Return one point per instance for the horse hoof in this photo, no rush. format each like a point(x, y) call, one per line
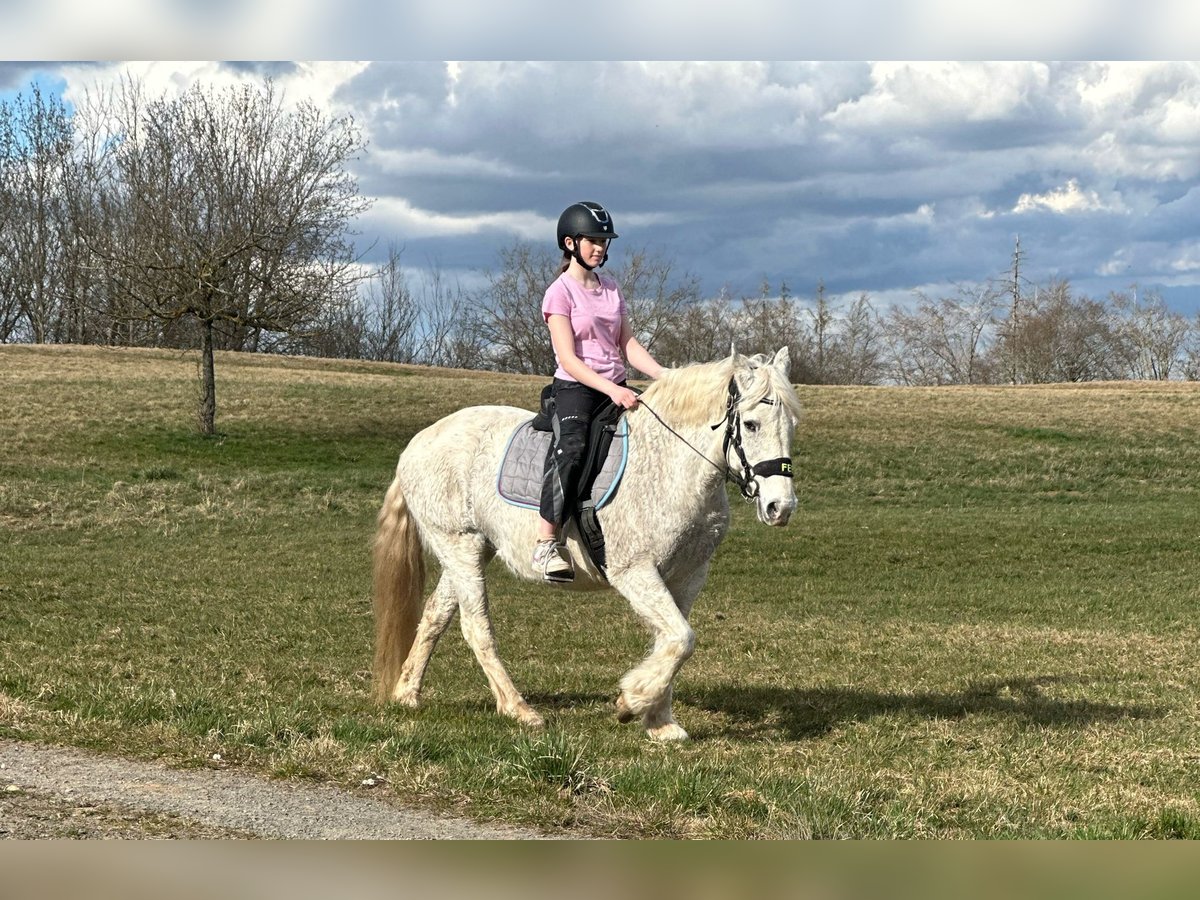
point(411, 699)
point(624, 713)
point(532, 721)
point(525, 715)
point(669, 732)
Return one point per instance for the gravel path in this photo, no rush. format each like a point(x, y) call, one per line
point(53, 792)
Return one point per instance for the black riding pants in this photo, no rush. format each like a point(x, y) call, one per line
point(575, 405)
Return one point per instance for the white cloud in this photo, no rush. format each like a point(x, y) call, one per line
point(429, 161)
point(911, 95)
point(1187, 259)
point(628, 107)
point(1140, 119)
point(1116, 92)
point(1070, 198)
point(1117, 265)
point(1166, 262)
point(922, 216)
point(399, 218)
point(316, 82)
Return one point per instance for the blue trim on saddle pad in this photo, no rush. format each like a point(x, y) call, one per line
point(519, 477)
point(621, 436)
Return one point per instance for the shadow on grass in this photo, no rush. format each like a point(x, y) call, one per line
point(811, 712)
point(569, 700)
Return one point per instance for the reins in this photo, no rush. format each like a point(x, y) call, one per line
point(745, 480)
point(727, 472)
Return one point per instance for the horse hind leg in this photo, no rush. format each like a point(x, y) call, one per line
point(439, 610)
point(463, 558)
point(476, 623)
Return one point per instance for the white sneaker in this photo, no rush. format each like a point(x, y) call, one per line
point(552, 562)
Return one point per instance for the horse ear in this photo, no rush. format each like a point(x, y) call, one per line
point(783, 361)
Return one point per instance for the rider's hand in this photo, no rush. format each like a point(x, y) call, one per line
point(624, 397)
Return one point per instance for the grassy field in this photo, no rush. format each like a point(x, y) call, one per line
point(981, 622)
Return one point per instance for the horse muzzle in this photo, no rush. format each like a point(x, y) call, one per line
point(775, 512)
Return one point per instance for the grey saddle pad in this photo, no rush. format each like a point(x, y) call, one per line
point(520, 478)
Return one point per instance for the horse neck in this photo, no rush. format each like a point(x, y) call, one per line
point(677, 452)
point(678, 419)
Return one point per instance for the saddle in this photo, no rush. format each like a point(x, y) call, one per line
point(522, 468)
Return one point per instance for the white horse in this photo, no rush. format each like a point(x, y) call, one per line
point(696, 426)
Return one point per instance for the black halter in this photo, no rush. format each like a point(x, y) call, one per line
point(746, 479)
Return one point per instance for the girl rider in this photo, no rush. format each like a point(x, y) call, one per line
point(590, 331)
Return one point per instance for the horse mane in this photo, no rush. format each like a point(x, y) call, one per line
point(695, 394)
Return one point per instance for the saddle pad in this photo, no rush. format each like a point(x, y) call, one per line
point(520, 478)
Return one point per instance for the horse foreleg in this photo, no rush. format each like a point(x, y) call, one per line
point(659, 719)
point(439, 610)
point(646, 688)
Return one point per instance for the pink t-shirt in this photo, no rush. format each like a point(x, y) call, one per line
point(596, 317)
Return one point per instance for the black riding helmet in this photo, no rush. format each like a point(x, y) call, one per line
point(584, 219)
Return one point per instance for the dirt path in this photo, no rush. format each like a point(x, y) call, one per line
point(53, 792)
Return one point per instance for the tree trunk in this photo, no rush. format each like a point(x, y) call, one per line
point(208, 382)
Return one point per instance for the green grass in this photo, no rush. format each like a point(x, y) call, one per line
point(979, 624)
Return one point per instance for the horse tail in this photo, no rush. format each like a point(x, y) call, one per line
point(399, 566)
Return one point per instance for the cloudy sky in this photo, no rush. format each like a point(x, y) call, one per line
point(883, 177)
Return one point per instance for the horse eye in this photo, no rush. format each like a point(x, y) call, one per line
point(751, 426)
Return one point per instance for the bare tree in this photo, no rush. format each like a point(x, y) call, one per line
point(821, 321)
point(450, 323)
point(1191, 352)
point(942, 341)
point(35, 147)
point(228, 209)
point(10, 303)
point(1061, 338)
point(1009, 345)
point(856, 353)
point(763, 324)
point(654, 297)
point(1152, 336)
point(390, 313)
point(10, 312)
point(341, 332)
point(510, 311)
point(702, 331)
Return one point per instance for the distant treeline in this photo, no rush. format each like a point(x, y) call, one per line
point(978, 334)
point(221, 220)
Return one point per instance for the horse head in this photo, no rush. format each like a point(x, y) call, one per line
point(761, 416)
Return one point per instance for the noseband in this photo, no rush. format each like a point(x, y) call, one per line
point(746, 480)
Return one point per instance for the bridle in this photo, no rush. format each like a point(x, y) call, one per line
point(746, 479)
